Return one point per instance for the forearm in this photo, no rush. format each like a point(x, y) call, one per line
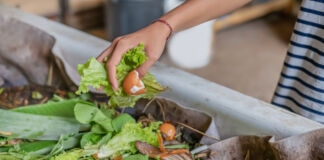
point(189, 14)
point(194, 12)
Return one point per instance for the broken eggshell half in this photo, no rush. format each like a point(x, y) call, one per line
point(133, 85)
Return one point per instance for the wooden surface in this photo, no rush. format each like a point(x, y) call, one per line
point(253, 12)
point(81, 14)
point(39, 7)
point(50, 7)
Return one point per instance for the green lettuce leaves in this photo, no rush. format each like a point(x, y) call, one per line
point(116, 135)
point(71, 130)
point(85, 114)
point(122, 119)
point(70, 155)
point(94, 74)
point(137, 157)
point(124, 141)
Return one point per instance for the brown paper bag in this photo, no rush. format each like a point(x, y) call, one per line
point(25, 55)
point(307, 146)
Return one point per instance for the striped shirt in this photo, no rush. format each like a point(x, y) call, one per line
point(301, 85)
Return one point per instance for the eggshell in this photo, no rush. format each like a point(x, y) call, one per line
point(168, 130)
point(133, 85)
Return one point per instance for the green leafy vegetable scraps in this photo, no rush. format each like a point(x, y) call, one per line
point(71, 130)
point(94, 74)
point(36, 95)
point(124, 141)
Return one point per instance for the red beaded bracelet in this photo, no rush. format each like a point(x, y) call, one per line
point(170, 27)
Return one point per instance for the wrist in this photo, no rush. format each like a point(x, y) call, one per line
point(163, 27)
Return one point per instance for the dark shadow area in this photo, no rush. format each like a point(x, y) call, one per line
point(281, 25)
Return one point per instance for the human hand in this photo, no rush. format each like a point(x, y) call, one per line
point(154, 38)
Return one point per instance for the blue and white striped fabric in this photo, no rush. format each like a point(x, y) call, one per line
point(301, 85)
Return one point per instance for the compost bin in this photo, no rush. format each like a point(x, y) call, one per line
point(231, 113)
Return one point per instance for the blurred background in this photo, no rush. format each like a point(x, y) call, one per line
point(243, 50)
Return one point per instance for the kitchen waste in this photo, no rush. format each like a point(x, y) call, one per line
point(77, 128)
point(66, 137)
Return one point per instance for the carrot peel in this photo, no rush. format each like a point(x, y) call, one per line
point(118, 157)
point(162, 149)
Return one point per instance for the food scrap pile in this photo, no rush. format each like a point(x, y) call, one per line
point(76, 128)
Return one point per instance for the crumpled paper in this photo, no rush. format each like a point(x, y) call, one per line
point(240, 147)
point(307, 146)
point(26, 56)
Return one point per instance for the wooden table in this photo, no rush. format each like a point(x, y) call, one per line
point(253, 12)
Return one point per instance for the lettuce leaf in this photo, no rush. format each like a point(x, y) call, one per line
point(94, 74)
point(137, 157)
point(86, 114)
point(70, 155)
point(119, 121)
point(37, 95)
point(90, 138)
point(19, 156)
point(39, 127)
point(65, 142)
point(124, 141)
point(64, 108)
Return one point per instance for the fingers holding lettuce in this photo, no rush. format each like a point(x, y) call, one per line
point(154, 37)
point(122, 69)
